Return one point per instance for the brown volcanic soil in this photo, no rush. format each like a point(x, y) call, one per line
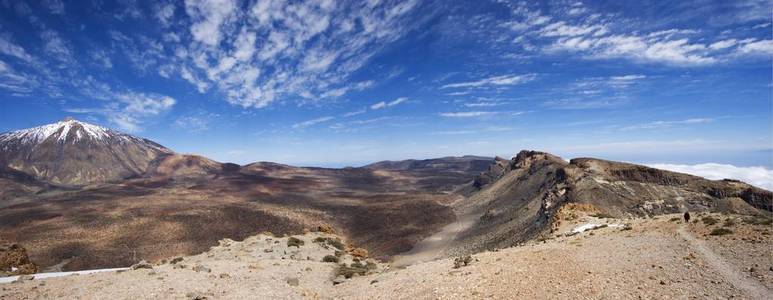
point(191, 202)
point(657, 259)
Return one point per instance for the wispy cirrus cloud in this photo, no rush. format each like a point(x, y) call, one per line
point(478, 114)
point(294, 50)
point(502, 80)
point(385, 104)
point(668, 124)
point(598, 36)
point(311, 122)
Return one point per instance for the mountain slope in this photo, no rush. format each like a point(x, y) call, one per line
point(72, 152)
point(520, 199)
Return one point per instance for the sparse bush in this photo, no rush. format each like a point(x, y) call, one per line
point(330, 258)
point(709, 220)
point(758, 220)
point(603, 216)
point(335, 242)
point(675, 219)
point(627, 227)
point(729, 223)
point(462, 261)
point(370, 265)
point(349, 271)
point(294, 242)
point(721, 231)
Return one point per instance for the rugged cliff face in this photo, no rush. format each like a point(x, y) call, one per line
point(71, 152)
point(516, 200)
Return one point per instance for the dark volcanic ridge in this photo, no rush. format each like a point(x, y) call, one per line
point(79, 196)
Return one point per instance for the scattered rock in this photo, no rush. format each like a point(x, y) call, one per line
point(339, 280)
point(200, 268)
point(224, 276)
point(196, 296)
point(359, 252)
point(176, 260)
point(141, 265)
point(462, 261)
point(24, 278)
point(293, 281)
point(325, 228)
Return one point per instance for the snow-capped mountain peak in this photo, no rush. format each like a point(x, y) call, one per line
point(68, 128)
point(73, 152)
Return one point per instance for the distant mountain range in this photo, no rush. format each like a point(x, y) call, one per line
point(80, 196)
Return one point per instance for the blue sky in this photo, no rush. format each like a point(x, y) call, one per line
point(336, 83)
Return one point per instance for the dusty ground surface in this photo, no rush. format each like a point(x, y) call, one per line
point(658, 258)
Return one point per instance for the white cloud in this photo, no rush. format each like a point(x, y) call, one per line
point(55, 6)
point(757, 176)
point(384, 104)
point(311, 122)
point(763, 47)
point(476, 114)
point(298, 51)
point(503, 80)
point(101, 58)
point(9, 48)
point(723, 44)
point(208, 16)
point(57, 47)
point(596, 36)
point(165, 13)
point(668, 124)
point(127, 109)
point(195, 122)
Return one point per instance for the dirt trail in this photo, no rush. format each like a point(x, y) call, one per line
point(751, 287)
point(433, 247)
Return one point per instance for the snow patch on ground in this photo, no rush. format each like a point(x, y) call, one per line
point(10, 279)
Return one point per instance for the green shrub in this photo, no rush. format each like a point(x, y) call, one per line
point(675, 219)
point(721, 231)
point(728, 223)
point(709, 220)
point(330, 258)
point(294, 242)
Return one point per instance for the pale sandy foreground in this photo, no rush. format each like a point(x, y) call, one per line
point(658, 258)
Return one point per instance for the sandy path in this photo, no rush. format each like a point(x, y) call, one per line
point(751, 287)
point(433, 247)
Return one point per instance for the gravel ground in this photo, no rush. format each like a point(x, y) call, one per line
point(657, 259)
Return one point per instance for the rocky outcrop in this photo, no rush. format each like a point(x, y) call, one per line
point(14, 260)
point(516, 200)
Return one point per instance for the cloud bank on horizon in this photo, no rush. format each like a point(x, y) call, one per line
point(343, 82)
point(757, 176)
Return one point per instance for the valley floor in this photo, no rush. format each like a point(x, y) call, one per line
point(657, 258)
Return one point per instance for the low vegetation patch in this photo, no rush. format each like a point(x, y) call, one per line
point(330, 258)
point(721, 231)
point(355, 268)
point(728, 223)
point(758, 220)
point(709, 220)
point(335, 242)
point(675, 219)
point(603, 216)
point(462, 261)
point(294, 242)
